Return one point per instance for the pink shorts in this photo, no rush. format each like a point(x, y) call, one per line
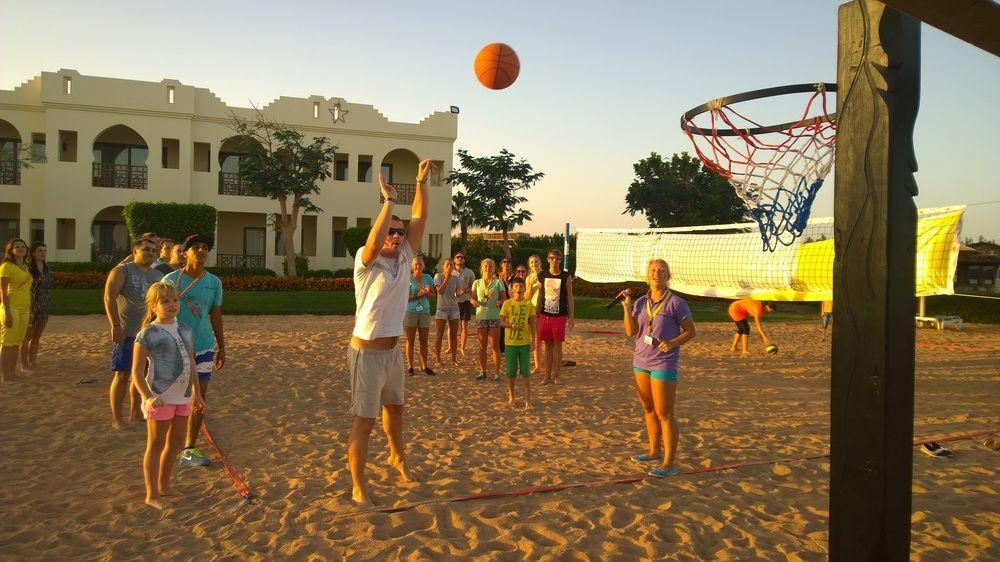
point(551, 328)
point(166, 411)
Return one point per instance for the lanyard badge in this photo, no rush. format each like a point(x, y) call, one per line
point(651, 313)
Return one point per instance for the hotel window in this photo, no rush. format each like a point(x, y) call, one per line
point(170, 94)
point(339, 226)
point(340, 167)
point(37, 231)
point(67, 146)
point(65, 234)
point(38, 147)
point(315, 110)
point(364, 168)
point(434, 243)
point(67, 85)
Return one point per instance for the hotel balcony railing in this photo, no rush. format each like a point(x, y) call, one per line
point(231, 184)
point(404, 193)
point(10, 173)
point(239, 260)
point(124, 176)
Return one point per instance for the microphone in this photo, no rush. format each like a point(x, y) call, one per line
point(617, 300)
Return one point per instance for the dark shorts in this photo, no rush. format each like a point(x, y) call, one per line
point(742, 327)
point(465, 311)
point(121, 355)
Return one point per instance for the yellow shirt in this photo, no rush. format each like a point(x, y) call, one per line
point(531, 287)
point(18, 286)
point(517, 313)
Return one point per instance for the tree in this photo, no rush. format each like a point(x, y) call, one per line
point(280, 167)
point(464, 215)
point(680, 192)
point(491, 184)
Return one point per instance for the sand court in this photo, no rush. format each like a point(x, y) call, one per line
point(72, 487)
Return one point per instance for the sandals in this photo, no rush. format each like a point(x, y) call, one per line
point(936, 450)
point(661, 472)
point(409, 371)
point(643, 457)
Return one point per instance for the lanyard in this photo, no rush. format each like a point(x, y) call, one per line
point(652, 313)
point(191, 284)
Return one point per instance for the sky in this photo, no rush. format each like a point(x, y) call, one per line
point(602, 84)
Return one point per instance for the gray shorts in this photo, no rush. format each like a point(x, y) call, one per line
point(444, 314)
point(415, 320)
point(376, 378)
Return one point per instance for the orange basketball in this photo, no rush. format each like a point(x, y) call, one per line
point(497, 66)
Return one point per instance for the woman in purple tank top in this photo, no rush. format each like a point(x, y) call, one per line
point(660, 322)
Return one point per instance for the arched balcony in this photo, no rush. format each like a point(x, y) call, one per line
point(120, 156)
point(401, 164)
point(10, 150)
point(230, 153)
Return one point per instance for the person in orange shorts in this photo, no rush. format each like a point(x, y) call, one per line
point(739, 310)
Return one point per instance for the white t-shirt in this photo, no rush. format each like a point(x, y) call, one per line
point(169, 371)
point(381, 292)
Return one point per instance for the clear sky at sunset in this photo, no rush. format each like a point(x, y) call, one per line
point(602, 84)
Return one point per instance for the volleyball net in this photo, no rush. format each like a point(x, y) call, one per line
point(727, 261)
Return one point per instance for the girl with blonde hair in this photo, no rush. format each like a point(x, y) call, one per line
point(487, 296)
point(168, 389)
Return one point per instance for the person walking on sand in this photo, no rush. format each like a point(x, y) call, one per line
point(125, 305)
point(374, 363)
point(167, 387)
point(738, 312)
point(446, 315)
point(660, 322)
point(417, 320)
point(556, 313)
point(41, 298)
point(200, 295)
point(15, 298)
point(517, 316)
point(466, 277)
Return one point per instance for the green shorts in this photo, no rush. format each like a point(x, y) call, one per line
point(669, 376)
point(516, 355)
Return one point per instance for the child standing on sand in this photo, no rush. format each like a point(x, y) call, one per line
point(517, 316)
point(168, 394)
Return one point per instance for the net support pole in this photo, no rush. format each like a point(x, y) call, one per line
point(922, 304)
point(874, 279)
point(566, 249)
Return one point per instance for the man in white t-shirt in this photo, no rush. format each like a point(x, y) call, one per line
point(374, 361)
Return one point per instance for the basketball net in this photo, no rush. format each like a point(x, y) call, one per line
point(776, 174)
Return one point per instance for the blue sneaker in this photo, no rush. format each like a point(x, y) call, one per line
point(643, 457)
point(661, 472)
point(481, 377)
point(193, 457)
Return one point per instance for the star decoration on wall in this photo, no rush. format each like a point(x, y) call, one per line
point(338, 113)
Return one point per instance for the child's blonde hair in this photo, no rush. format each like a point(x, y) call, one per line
point(157, 292)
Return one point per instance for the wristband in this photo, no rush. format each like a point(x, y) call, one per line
point(390, 199)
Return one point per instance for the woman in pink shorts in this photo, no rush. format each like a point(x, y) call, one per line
point(168, 394)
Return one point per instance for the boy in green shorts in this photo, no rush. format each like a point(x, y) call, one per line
point(517, 316)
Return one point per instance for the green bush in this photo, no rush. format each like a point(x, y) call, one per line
point(341, 273)
point(171, 220)
point(80, 266)
point(240, 271)
point(355, 237)
point(301, 264)
point(317, 273)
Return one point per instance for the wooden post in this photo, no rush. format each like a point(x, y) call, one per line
point(871, 426)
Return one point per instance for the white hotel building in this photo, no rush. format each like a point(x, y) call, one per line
point(108, 141)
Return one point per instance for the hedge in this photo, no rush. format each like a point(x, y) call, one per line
point(170, 220)
point(241, 271)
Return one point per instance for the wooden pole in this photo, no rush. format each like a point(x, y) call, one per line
point(871, 426)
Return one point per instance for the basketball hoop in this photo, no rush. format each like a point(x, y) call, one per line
point(776, 170)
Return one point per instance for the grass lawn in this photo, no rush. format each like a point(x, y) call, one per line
point(90, 301)
point(322, 303)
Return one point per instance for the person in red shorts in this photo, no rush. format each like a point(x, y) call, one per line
point(739, 311)
point(555, 313)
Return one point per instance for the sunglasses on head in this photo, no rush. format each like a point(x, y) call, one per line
point(505, 261)
point(397, 231)
point(459, 257)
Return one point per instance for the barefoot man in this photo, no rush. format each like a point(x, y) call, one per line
point(125, 305)
point(374, 362)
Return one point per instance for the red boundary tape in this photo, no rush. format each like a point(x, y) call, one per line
point(626, 480)
point(241, 486)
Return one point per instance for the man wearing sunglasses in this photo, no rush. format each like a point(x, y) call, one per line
point(374, 361)
point(466, 277)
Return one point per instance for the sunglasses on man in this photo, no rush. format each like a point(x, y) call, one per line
point(397, 231)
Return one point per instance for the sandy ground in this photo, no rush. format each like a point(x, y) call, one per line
point(71, 488)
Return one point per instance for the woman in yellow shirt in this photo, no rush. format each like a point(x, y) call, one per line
point(15, 297)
